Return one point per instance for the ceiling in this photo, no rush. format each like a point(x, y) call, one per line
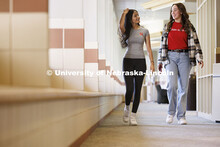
point(146, 14)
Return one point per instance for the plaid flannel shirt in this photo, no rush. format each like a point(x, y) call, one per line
point(195, 52)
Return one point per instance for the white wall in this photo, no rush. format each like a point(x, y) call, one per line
point(90, 15)
point(108, 38)
point(66, 9)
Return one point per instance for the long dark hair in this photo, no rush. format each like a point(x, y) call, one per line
point(124, 36)
point(186, 24)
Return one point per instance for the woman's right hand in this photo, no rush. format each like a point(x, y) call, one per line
point(126, 11)
point(122, 20)
point(160, 66)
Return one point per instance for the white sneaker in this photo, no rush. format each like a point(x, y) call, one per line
point(169, 119)
point(133, 121)
point(126, 116)
point(182, 121)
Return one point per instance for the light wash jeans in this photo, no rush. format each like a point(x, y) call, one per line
point(180, 66)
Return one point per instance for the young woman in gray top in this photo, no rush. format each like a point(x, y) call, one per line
point(133, 37)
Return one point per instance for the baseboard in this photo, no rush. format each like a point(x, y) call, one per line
point(205, 115)
point(83, 137)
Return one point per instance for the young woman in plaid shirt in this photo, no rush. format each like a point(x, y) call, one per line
point(179, 51)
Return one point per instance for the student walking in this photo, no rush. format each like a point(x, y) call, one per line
point(180, 50)
point(133, 37)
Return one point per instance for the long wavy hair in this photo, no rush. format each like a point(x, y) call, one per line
point(186, 24)
point(128, 25)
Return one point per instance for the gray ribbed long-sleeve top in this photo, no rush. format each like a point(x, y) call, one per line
point(136, 43)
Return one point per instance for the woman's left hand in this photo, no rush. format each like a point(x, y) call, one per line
point(152, 67)
point(201, 64)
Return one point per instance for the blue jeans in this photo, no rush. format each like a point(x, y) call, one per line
point(180, 66)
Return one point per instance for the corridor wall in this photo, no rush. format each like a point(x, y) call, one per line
point(32, 45)
point(206, 27)
point(110, 51)
point(83, 37)
point(24, 43)
point(66, 51)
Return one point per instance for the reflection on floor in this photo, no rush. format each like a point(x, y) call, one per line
point(153, 131)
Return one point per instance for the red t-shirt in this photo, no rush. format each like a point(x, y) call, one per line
point(177, 39)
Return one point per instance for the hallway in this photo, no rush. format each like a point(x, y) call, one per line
point(152, 130)
point(61, 74)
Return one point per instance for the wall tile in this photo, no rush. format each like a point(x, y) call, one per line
point(56, 58)
point(107, 84)
point(76, 23)
point(56, 38)
point(101, 86)
point(102, 81)
point(92, 84)
point(91, 55)
point(55, 23)
point(4, 6)
point(29, 68)
point(102, 64)
point(30, 5)
point(30, 31)
point(107, 68)
point(74, 82)
point(4, 29)
point(91, 45)
point(73, 59)
point(73, 9)
point(57, 81)
point(74, 38)
point(91, 68)
point(5, 78)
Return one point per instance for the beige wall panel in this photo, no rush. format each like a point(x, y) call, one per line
point(5, 31)
point(104, 109)
point(57, 81)
point(5, 70)
point(102, 100)
point(50, 123)
point(88, 103)
point(30, 31)
point(74, 82)
point(92, 84)
point(29, 68)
